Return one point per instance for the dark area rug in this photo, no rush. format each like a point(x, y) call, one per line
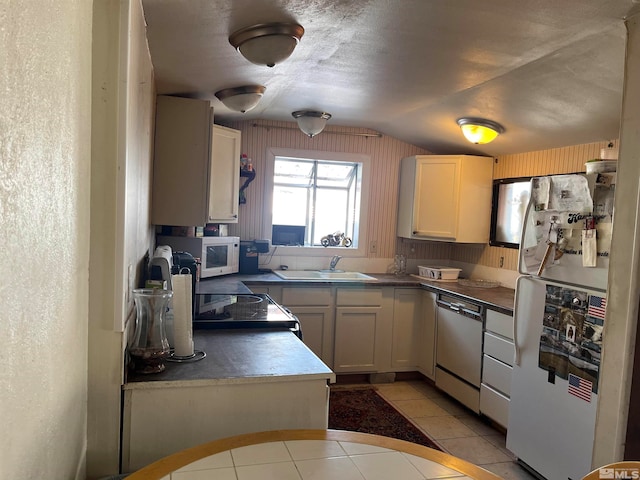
point(363, 410)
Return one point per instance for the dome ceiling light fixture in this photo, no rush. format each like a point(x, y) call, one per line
point(241, 99)
point(267, 43)
point(311, 122)
point(479, 130)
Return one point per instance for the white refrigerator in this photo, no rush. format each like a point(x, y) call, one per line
point(559, 322)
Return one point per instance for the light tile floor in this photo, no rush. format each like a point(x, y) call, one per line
point(455, 428)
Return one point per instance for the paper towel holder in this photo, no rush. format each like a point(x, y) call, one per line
point(197, 355)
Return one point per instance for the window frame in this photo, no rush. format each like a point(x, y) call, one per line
point(360, 224)
point(499, 198)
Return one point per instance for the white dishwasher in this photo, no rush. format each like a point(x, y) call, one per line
point(459, 349)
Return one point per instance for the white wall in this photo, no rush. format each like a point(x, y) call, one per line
point(624, 285)
point(121, 233)
point(45, 108)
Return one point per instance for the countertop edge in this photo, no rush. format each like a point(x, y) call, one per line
point(500, 298)
point(329, 376)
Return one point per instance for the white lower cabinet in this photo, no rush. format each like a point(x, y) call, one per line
point(498, 352)
point(407, 312)
point(363, 330)
point(426, 344)
point(355, 349)
point(414, 326)
point(315, 308)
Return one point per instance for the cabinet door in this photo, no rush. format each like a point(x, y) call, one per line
point(224, 179)
point(315, 308)
point(317, 330)
point(182, 152)
point(356, 339)
point(426, 345)
point(407, 313)
point(435, 211)
point(445, 198)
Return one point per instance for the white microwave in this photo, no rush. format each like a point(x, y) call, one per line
point(218, 255)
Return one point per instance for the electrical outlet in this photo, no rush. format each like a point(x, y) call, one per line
point(373, 246)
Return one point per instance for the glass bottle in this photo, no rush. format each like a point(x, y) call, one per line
point(148, 346)
point(400, 265)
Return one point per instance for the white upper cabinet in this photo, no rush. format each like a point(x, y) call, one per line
point(196, 165)
point(225, 175)
point(445, 198)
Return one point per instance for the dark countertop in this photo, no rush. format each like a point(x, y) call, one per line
point(239, 356)
point(499, 298)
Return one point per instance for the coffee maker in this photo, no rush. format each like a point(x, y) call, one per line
point(248, 258)
point(161, 265)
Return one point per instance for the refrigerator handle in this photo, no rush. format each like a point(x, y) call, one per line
point(516, 356)
point(527, 213)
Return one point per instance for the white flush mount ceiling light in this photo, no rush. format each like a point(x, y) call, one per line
point(479, 130)
point(241, 99)
point(267, 43)
point(311, 122)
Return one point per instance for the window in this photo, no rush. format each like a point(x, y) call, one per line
point(314, 194)
point(510, 199)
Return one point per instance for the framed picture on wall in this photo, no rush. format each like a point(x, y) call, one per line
point(509, 203)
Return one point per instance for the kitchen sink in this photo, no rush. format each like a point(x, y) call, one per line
point(322, 275)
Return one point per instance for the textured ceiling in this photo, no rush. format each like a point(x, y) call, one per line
point(549, 71)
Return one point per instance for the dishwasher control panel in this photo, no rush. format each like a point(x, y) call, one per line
point(462, 307)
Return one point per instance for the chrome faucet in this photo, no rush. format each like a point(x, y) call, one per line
point(334, 261)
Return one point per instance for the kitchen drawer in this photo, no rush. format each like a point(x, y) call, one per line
point(499, 348)
point(494, 405)
point(497, 374)
point(359, 297)
point(499, 323)
point(305, 296)
point(461, 391)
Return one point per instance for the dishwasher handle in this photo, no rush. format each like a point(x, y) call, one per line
point(463, 309)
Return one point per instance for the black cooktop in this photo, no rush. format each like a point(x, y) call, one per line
point(255, 310)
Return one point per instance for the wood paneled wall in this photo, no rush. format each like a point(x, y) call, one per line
point(386, 153)
point(543, 162)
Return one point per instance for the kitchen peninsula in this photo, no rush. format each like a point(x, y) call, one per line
point(250, 380)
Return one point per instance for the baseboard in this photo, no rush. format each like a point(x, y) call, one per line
point(355, 378)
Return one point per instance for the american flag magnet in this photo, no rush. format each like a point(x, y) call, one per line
point(580, 387)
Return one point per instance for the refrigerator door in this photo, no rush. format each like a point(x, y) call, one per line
point(550, 429)
point(551, 243)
